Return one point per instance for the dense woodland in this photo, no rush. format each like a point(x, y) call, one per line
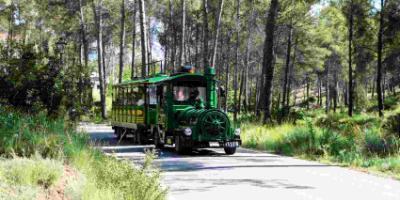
point(270, 56)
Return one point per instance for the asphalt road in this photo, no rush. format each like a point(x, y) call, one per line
point(210, 174)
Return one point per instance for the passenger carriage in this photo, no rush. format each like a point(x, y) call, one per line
point(178, 110)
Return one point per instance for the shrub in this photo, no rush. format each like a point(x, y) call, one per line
point(330, 121)
point(391, 124)
point(287, 115)
point(109, 178)
point(391, 164)
point(18, 192)
point(30, 79)
point(375, 144)
point(390, 102)
point(301, 140)
point(344, 124)
point(332, 143)
point(31, 172)
point(74, 189)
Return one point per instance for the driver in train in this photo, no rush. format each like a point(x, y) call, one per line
point(196, 99)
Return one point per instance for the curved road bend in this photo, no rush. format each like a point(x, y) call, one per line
point(210, 174)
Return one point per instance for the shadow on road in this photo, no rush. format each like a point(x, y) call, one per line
point(199, 167)
point(199, 159)
point(261, 183)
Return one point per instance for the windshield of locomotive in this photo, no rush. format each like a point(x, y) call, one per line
point(189, 92)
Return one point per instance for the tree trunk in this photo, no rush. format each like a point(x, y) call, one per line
point(83, 32)
point(149, 53)
point(85, 48)
point(188, 53)
point(226, 86)
point(351, 96)
point(218, 24)
point(227, 77)
point(205, 30)
point(287, 65)
point(291, 70)
point(257, 93)
point(99, 34)
point(336, 91)
point(198, 38)
point(241, 89)
point(183, 32)
point(327, 89)
point(319, 90)
point(308, 92)
point(122, 42)
point(104, 61)
point(133, 71)
point(11, 20)
point(379, 67)
point(373, 87)
point(304, 89)
point(172, 36)
point(247, 59)
point(235, 76)
point(143, 37)
point(268, 58)
point(384, 85)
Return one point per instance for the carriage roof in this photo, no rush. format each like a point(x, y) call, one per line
point(159, 78)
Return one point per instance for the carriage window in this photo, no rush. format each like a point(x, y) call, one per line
point(130, 96)
point(120, 97)
point(124, 98)
point(140, 96)
point(185, 93)
point(137, 96)
point(114, 95)
point(153, 95)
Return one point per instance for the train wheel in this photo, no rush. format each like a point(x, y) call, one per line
point(121, 133)
point(141, 136)
point(157, 139)
point(117, 132)
point(133, 139)
point(230, 150)
point(138, 136)
point(180, 146)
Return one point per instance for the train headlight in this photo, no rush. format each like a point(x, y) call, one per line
point(187, 131)
point(237, 131)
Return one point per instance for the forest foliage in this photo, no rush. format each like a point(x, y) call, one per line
point(342, 51)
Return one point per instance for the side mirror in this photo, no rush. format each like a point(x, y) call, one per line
point(222, 92)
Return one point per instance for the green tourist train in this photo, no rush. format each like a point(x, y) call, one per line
point(178, 110)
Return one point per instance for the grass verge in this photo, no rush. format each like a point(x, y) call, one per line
point(35, 150)
point(363, 141)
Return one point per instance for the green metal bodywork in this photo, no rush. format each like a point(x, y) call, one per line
point(207, 122)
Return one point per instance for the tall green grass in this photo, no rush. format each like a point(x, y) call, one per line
point(25, 135)
point(362, 141)
point(34, 149)
point(109, 178)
